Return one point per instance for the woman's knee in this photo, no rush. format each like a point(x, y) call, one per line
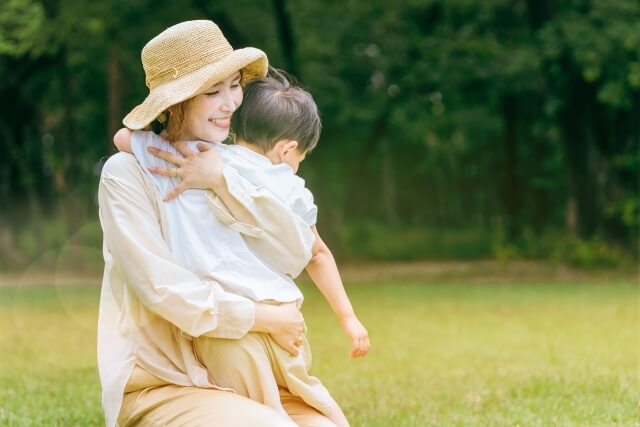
point(196, 407)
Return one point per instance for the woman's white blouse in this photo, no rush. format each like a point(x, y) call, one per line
point(150, 305)
point(206, 245)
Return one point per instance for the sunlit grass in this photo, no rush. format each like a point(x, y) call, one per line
point(442, 355)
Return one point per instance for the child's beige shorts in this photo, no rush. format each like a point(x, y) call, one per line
point(256, 367)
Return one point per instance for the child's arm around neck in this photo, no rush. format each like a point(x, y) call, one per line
point(122, 140)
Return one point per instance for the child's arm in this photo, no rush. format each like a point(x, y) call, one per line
point(122, 140)
point(324, 272)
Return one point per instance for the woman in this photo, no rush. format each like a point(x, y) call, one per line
point(150, 306)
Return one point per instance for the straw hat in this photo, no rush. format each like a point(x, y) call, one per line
point(185, 60)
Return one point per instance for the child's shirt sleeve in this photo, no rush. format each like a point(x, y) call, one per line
point(283, 237)
point(301, 201)
point(140, 141)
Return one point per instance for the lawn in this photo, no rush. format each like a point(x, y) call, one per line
point(443, 354)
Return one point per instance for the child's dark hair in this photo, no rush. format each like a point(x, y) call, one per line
point(274, 108)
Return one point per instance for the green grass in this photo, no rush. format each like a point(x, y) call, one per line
point(449, 354)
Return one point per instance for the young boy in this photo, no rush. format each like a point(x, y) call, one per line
point(275, 127)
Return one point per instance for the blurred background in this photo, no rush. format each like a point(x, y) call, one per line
point(455, 129)
point(477, 179)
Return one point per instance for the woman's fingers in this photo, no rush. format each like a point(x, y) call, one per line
point(165, 155)
point(293, 350)
point(183, 149)
point(288, 327)
point(174, 172)
point(203, 147)
point(175, 192)
point(289, 345)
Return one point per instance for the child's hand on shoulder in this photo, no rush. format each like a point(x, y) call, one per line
point(358, 334)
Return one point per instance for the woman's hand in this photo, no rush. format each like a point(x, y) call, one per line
point(197, 169)
point(283, 322)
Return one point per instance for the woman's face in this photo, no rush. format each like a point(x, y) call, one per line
point(208, 116)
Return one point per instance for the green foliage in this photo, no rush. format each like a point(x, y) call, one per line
point(20, 24)
point(436, 114)
point(369, 240)
point(557, 246)
point(375, 241)
point(52, 244)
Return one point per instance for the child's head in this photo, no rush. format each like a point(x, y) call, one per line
point(278, 116)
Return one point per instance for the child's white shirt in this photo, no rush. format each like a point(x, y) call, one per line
point(203, 244)
point(280, 179)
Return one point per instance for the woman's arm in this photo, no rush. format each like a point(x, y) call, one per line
point(274, 231)
point(131, 223)
point(283, 322)
point(324, 272)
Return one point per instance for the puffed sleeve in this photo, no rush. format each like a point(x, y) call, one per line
point(281, 237)
point(130, 219)
point(302, 204)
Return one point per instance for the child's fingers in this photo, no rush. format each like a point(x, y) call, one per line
point(356, 349)
point(363, 350)
point(363, 346)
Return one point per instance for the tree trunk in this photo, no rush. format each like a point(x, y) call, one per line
point(69, 171)
point(538, 12)
point(388, 185)
point(576, 123)
point(361, 196)
point(114, 94)
point(287, 41)
point(512, 186)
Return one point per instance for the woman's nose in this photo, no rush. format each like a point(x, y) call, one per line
point(228, 103)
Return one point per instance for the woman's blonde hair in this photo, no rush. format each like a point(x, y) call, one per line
point(170, 121)
point(175, 120)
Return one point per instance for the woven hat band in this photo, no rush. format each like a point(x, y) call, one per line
point(166, 72)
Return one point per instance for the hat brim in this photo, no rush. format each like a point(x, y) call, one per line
point(250, 61)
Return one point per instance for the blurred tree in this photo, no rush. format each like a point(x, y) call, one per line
point(514, 116)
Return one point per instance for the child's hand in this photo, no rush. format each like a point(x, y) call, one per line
point(358, 334)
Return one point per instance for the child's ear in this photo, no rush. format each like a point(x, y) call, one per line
point(289, 146)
